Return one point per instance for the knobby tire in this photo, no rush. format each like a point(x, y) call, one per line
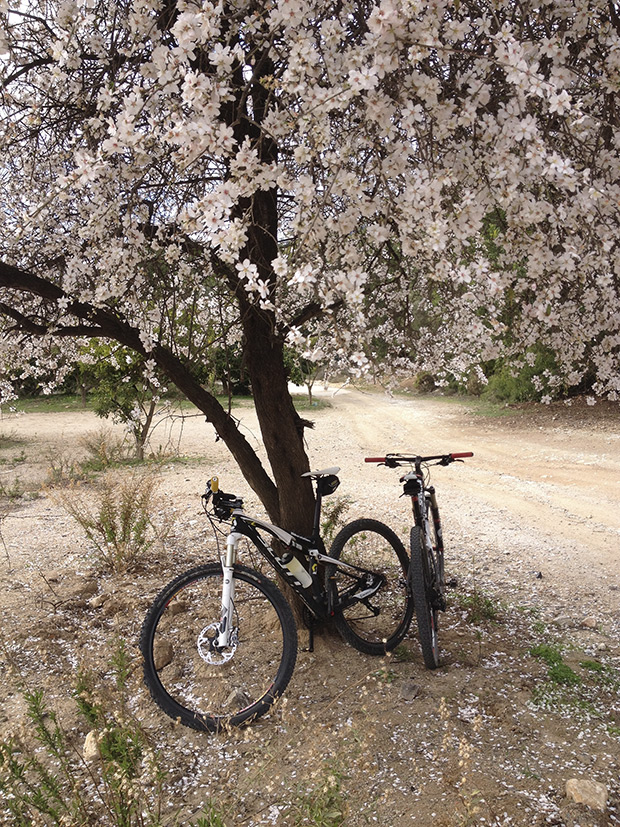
point(421, 577)
point(378, 626)
point(212, 696)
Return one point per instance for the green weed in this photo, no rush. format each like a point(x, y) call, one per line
point(211, 817)
point(385, 675)
point(323, 806)
point(12, 491)
point(10, 440)
point(559, 672)
point(333, 512)
point(14, 460)
point(594, 666)
point(548, 653)
point(46, 779)
point(562, 674)
point(479, 608)
point(403, 654)
point(589, 692)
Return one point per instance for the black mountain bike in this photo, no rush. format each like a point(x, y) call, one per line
point(220, 641)
point(426, 574)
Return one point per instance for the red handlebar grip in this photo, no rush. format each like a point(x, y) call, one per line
point(374, 459)
point(465, 454)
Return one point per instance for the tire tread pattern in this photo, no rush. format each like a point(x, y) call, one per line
point(214, 723)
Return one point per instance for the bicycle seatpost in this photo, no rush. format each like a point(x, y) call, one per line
point(316, 528)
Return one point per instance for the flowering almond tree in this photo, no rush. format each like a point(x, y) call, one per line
point(419, 183)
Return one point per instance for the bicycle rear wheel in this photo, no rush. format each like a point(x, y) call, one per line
point(376, 624)
point(426, 576)
point(208, 688)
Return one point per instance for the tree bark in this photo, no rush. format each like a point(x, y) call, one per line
point(281, 426)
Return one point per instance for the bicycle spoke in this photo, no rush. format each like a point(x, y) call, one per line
point(193, 679)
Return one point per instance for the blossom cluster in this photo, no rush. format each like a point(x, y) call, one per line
point(441, 177)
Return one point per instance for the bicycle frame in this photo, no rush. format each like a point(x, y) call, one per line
point(413, 487)
point(423, 500)
point(316, 598)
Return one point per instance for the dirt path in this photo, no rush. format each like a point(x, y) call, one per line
point(542, 497)
point(555, 478)
point(531, 523)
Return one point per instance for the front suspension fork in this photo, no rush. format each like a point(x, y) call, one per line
point(228, 590)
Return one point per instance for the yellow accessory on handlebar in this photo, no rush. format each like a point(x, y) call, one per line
point(215, 484)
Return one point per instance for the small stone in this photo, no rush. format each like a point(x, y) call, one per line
point(238, 699)
point(563, 620)
point(409, 691)
point(82, 590)
point(114, 606)
point(90, 751)
point(98, 601)
point(162, 655)
point(591, 793)
point(177, 608)
point(589, 623)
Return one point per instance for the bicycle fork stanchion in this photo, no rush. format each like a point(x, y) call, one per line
point(228, 590)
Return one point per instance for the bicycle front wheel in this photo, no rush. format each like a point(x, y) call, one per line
point(424, 585)
point(206, 687)
point(378, 623)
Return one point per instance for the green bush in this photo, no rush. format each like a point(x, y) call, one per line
point(513, 384)
point(121, 520)
point(424, 382)
point(113, 777)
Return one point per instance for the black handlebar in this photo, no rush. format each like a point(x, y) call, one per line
point(395, 460)
point(223, 504)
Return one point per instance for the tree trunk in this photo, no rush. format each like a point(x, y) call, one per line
point(143, 431)
point(281, 427)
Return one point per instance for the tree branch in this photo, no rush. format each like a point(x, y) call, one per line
point(312, 311)
point(105, 323)
point(16, 279)
point(43, 61)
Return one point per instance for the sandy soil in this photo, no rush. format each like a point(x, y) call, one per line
point(531, 524)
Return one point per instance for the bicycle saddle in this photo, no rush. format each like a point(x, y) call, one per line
point(326, 472)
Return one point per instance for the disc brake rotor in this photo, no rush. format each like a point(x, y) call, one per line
point(208, 650)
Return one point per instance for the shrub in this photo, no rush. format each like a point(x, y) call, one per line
point(333, 513)
point(116, 779)
point(103, 449)
point(122, 522)
point(522, 383)
point(424, 382)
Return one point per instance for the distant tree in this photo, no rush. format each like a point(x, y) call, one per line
point(124, 387)
point(303, 370)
